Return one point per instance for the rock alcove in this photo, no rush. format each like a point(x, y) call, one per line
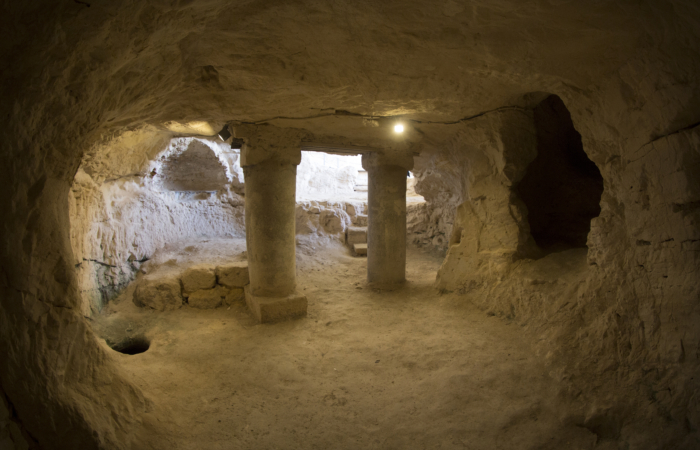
point(523, 323)
point(195, 169)
point(562, 186)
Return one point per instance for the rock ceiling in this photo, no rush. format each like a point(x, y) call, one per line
point(153, 62)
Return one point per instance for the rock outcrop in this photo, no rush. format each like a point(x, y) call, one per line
point(627, 304)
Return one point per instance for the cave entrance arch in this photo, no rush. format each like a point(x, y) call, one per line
point(562, 186)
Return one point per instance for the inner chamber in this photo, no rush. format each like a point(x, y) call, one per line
point(562, 186)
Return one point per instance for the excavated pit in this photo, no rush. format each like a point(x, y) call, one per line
point(131, 346)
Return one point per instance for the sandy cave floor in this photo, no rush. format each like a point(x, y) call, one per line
point(408, 369)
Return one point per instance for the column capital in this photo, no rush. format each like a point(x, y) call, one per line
point(374, 160)
point(269, 143)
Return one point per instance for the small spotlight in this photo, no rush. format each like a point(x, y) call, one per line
point(398, 128)
point(224, 134)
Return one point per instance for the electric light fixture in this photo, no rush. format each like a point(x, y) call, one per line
point(224, 134)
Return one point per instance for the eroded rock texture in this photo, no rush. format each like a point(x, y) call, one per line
point(618, 323)
point(119, 221)
point(195, 169)
point(615, 319)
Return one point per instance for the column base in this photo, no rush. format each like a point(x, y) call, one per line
point(275, 309)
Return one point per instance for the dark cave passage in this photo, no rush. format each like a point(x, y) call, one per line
point(562, 186)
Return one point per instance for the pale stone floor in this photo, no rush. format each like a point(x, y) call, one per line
point(408, 369)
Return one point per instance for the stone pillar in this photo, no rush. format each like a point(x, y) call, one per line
point(269, 158)
point(386, 233)
point(270, 189)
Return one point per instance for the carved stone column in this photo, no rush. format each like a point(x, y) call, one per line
point(386, 233)
point(269, 159)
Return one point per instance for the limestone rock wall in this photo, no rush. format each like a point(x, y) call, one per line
point(195, 165)
point(650, 315)
point(196, 169)
point(429, 225)
point(121, 213)
point(439, 178)
point(118, 224)
point(617, 321)
point(474, 165)
point(12, 437)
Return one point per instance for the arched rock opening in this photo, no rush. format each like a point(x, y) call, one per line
point(562, 186)
point(133, 196)
point(195, 169)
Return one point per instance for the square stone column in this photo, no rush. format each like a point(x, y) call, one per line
point(269, 159)
point(386, 232)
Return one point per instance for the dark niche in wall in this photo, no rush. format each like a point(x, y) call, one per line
point(195, 169)
point(562, 186)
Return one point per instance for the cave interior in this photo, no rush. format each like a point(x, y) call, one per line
point(366, 225)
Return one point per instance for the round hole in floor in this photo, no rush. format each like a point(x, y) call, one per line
point(131, 345)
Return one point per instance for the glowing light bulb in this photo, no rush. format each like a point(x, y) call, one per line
point(398, 128)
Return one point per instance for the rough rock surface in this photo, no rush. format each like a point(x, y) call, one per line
point(360, 220)
point(119, 221)
point(234, 295)
point(201, 284)
point(195, 169)
point(233, 275)
point(429, 224)
point(601, 311)
point(161, 294)
point(356, 235)
point(202, 276)
point(207, 298)
point(323, 217)
point(11, 433)
point(480, 159)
